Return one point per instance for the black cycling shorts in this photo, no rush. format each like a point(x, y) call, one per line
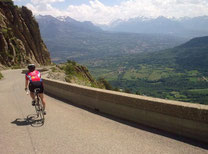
point(36, 84)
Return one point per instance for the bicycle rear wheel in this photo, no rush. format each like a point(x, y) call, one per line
point(39, 110)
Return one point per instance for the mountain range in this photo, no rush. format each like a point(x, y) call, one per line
point(61, 25)
point(67, 38)
point(185, 27)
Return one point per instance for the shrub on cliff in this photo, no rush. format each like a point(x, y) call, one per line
point(70, 68)
point(105, 83)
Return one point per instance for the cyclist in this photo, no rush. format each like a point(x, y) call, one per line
point(33, 78)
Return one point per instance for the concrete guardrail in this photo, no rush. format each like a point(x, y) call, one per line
point(185, 119)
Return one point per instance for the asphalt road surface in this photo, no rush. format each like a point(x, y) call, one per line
point(70, 129)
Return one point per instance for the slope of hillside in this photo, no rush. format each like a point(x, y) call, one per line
point(194, 55)
point(20, 39)
point(188, 56)
point(81, 42)
point(179, 73)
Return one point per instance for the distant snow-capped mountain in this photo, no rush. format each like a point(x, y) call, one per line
point(63, 23)
point(65, 19)
point(185, 27)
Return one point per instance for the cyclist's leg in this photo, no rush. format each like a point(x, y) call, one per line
point(32, 95)
point(31, 88)
point(42, 99)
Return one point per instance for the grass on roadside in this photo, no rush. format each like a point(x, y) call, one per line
point(16, 67)
point(1, 76)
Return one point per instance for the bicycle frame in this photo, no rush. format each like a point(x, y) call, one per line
point(38, 105)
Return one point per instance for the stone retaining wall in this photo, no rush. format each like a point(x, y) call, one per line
point(186, 119)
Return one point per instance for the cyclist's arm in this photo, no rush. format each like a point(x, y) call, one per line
point(39, 75)
point(26, 82)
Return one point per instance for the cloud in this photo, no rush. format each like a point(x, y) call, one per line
point(95, 11)
point(45, 1)
point(44, 7)
point(99, 13)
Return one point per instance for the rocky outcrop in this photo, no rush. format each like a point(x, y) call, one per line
point(20, 39)
point(74, 73)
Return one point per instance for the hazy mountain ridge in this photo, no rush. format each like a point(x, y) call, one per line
point(185, 27)
point(20, 39)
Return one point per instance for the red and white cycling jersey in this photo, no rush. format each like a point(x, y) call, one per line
point(33, 76)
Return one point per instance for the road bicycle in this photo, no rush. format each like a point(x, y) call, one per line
point(39, 105)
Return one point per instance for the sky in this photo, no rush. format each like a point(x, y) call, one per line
point(107, 11)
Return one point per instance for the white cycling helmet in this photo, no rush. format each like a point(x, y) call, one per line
point(31, 67)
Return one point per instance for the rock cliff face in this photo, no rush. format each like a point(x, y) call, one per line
point(20, 39)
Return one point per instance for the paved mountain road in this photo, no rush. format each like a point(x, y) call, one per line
point(69, 129)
